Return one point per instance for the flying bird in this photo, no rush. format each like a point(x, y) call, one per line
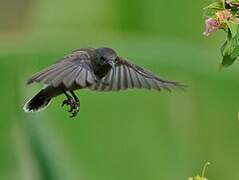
point(98, 69)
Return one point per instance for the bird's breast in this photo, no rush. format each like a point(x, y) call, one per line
point(101, 70)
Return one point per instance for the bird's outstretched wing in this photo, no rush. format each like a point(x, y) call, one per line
point(128, 76)
point(73, 69)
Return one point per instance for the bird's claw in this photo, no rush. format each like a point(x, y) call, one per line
point(74, 106)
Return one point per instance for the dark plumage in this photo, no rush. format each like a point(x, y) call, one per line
point(96, 69)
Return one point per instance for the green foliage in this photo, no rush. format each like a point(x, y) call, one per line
point(224, 15)
point(211, 9)
point(230, 49)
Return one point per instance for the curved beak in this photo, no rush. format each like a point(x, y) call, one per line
point(112, 64)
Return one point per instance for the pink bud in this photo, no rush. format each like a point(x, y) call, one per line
point(212, 25)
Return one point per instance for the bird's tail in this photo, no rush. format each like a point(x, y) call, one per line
point(38, 102)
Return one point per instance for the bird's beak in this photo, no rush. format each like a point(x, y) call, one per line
point(112, 64)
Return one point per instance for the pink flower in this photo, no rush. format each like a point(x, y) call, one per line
point(212, 25)
point(223, 15)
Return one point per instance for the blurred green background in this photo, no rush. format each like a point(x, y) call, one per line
point(131, 135)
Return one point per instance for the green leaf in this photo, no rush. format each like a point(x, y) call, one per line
point(211, 10)
point(233, 28)
point(216, 6)
point(209, 13)
point(227, 61)
point(223, 48)
point(230, 49)
point(230, 53)
point(235, 52)
point(223, 3)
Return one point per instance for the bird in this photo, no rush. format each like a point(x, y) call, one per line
point(98, 69)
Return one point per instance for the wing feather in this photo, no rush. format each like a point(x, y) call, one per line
point(81, 78)
point(129, 79)
point(38, 76)
point(116, 79)
point(123, 83)
point(128, 76)
point(49, 77)
point(48, 73)
point(73, 69)
point(90, 79)
point(58, 79)
point(134, 76)
point(69, 80)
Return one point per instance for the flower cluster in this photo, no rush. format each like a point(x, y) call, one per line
point(219, 13)
point(217, 22)
point(224, 14)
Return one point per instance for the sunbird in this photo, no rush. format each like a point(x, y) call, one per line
point(98, 69)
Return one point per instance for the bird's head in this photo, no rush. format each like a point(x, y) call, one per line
point(106, 56)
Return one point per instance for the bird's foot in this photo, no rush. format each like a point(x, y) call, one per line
point(74, 106)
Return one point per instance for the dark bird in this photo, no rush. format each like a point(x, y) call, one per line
point(95, 69)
